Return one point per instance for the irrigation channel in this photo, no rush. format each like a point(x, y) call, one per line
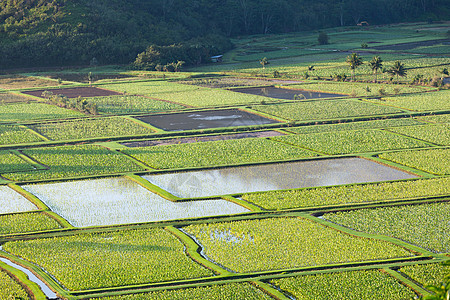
point(45, 289)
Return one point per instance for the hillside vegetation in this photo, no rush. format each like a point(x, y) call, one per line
point(61, 32)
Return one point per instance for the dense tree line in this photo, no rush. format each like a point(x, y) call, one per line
point(62, 32)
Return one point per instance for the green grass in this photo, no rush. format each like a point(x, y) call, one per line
point(13, 134)
point(427, 274)
point(437, 134)
point(350, 285)
point(358, 89)
point(30, 222)
point(72, 161)
point(436, 118)
point(357, 141)
point(325, 110)
point(278, 243)
point(34, 111)
point(424, 225)
point(228, 152)
point(90, 128)
point(435, 161)
point(10, 162)
point(432, 101)
point(232, 291)
point(131, 105)
point(88, 261)
point(346, 194)
point(354, 126)
point(149, 87)
point(210, 97)
point(10, 289)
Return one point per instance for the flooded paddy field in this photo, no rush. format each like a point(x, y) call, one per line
point(119, 200)
point(235, 180)
point(196, 139)
point(282, 93)
point(205, 119)
point(75, 92)
point(13, 202)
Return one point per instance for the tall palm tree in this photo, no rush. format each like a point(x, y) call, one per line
point(398, 69)
point(354, 60)
point(376, 64)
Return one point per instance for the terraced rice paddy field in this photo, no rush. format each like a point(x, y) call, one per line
point(223, 182)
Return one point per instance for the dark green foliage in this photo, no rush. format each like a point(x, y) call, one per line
point(62, 32)
point(80, 104)
point(323, 38)
point(172, 57)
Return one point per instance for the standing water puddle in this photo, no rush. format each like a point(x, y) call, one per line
point(45, 289)
point(290, 175)
point(205, 119)
point(281, 93)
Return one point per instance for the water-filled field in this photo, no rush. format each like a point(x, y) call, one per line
point(275, 177)
point(119, 201)
point(205, 119)
point(288, 94)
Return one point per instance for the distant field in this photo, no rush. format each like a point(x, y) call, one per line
point(356, 141)
point(34, 111)
point(348, 194)
point(216, 153)
point(73, 161)
point(325, 109)
point(89, 128)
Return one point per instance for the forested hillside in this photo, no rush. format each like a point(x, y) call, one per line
point(62, 32)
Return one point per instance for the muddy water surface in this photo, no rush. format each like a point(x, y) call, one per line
point(205, 119)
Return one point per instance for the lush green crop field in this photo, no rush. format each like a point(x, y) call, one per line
point(13, 134)
point(428, 274)
point(279, 243)
point(216, 153)
point(357, 141)
point(432, 101)
point(232, 291)
point(131, 104)
point(34, 111)
point(72, 161)
point(149, 87)
point(350, 194)
point(88, 261)
point(436, 161)
point(324, 110)
point(90, 128)
point(210, 97)
point(436, 118)
point(19, 223)
point(10, 289)
point(438, 134)
point(358, 89)
point(355, 126)
point(356, 285)
point(425, 225)
point(12, 163)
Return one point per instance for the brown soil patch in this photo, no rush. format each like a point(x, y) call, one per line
point(210, 138)
point(22, 82)
point(75, 92)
